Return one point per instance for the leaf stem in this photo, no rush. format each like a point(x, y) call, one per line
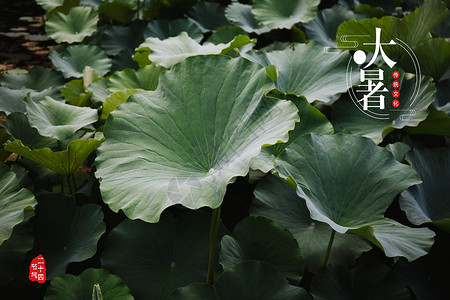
point(70, 188)
point(330, 244)
point(214, 229)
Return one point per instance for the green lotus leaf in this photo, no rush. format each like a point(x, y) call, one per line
point(64, 232)
point(63, 162)
point(80, 287)
point(18, 126)
point(14, 201)
point(163, 29)
point(324, 26)
point(247, 280)
point(349, 118)
point(173, 50)
point(75, 93)
point(80, 23)
point(278, 14)
point(396, 239)
point(154, 259)
point(411, 29)
point(398, 150)
point(184, 143)
point(277, 200)
point(358, 191)
point(145, 78)
point(367, 281)
point(436, 123)
point(208, 16)
point(4, 136)
point(435, 57)
point(58, 120)
point(225, 34)
point(297, 71)
point(259, 238)
point(119, 38)
point(241, 15)
point(50, 4)
point(37, 79)
point(72, 60)
point(99, 90)
point(429, 202)
point(312, 120)
point(442, 100)
point(118, 10)
point(115, 99)
point(371, 11)
point(13, 250)
point(94, 3)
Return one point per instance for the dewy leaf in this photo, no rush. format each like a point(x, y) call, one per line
point(396, 239)
point(429, 202)
point(277, 200)
point(145, 78)
point(411, 29)
point(173, 50)
point(163, 29)
point(72, 60)
point(368, 281)
point(58, 120)
point(346, 180)
point(324, 26)
point(14, 201)
point(347, 117)
point(247, 280)
point(241, 15)
point(307, 70)
point(81, 22)
point(63, 162)
point(65, 233)
point(259, 238)
point(154, 259)
point(278, 14)
point(13, 250)
point(70, 287)
point(115, 99)
point(208, 16)
point(311, 120)
point(182, 144)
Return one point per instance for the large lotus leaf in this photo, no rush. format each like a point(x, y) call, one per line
point(118, 10)
point(119, 38)
point(208, 16)
point(50, 4)
point(278, 14)
point(58, 120)
point(436, 123)
point(312, 120)
point(398, 150)
point(247, 280)
point(396, 239)
point(65, 233)
point(307, 70)
point(14, 201)
point(259, 238)
point(411, 29)
point(429, 202)
point(99, 90)
point(277, 200)
point(12, 100)
point(225, 34)
point(145, 78)
point(368, 281)
point(434, 56)
point(185, 143)
point(163, 29)
point(115, 99)
point(37, 79)
point(347, 181)
point(241, 15)
point(81, 22)
point(72, 60)
point(173, 50)
point(13, 250)
point(154, 259)
point(63, 162)
point(349, 118)
point(18, 126)
point(70, 287)
point(324, 26)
